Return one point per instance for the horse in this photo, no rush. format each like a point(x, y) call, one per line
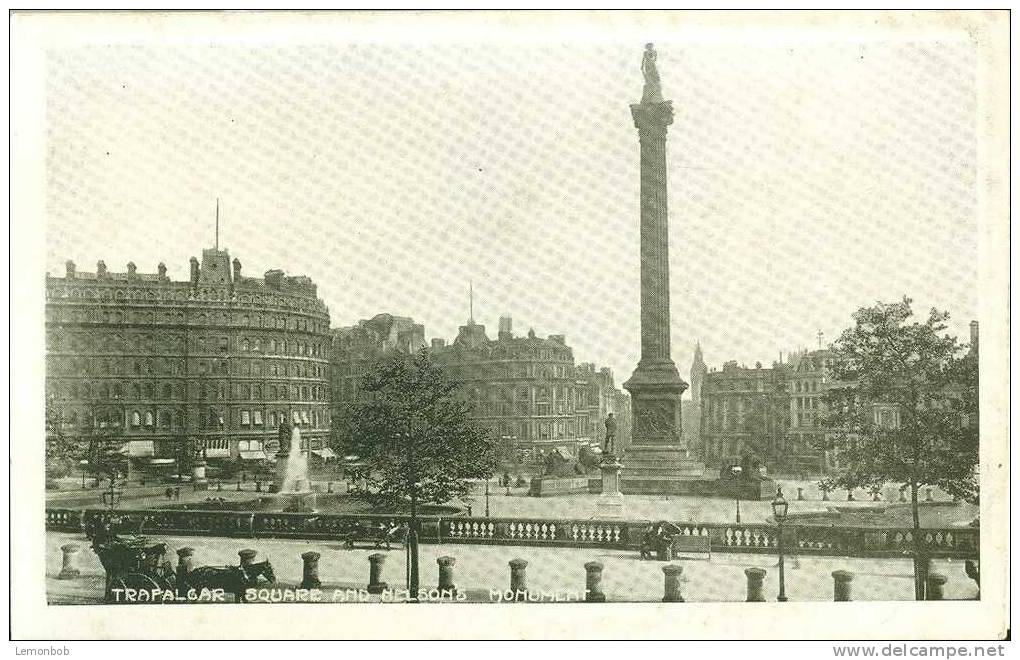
point(231, 579)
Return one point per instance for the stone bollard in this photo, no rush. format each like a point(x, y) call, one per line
point(69, 570)
point(842, 586)
point(247, 556)
point(755, 578)
point(310, 571)
point(800, 493)
point(519, 579)
point(184, 565)
point(375, 565)
point(927, 495)
point(593, 583)
point(671, 587)
point(446, 583)
point(934, 585)
point(849, 494)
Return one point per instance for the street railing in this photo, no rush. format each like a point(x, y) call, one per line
point(525, 531)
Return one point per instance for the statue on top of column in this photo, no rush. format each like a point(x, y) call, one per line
point(652, 92)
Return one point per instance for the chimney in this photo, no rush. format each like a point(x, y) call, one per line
point(69, 269)
point(161, 269)
point(506, 327)
point(194, 271)
point(101, 269)
point(237, 269)
point(131, 270)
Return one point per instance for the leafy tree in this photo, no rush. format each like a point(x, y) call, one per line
point(63, 448)
point(902, 408)
point(415, 435)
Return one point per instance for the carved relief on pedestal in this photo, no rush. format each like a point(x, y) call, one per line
point(655, 418)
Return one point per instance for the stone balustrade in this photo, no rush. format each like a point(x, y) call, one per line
point(962, 542)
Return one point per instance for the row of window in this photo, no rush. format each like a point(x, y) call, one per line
point(179, 391)
point(167, 294)
point(174, 342)
point(172, 317)
point(175, 367)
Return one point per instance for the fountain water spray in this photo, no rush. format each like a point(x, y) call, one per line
point(295, 476)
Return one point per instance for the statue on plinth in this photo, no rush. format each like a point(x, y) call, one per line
point(610, 441)
point(652, 92)
point(283, 435)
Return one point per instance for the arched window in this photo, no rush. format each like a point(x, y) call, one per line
point(164, 418)
point(148, 418)
point(167, 391)
point(148, 390)
point(272, 419)
point(136, 418)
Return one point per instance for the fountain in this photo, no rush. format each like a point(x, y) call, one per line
point(292, 482)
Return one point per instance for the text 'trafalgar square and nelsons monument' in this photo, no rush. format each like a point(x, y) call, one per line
point(657, 461)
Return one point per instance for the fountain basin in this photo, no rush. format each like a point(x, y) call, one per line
point(298, 502)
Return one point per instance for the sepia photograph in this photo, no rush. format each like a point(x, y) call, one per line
point(678, 312)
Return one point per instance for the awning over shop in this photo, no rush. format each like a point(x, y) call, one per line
point(325, 453)
point(140, 448)
point(253, 455)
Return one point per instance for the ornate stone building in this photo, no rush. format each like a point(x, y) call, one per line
point(217, 360)
point(354, 349)
point(773, 412)
point(526, 390)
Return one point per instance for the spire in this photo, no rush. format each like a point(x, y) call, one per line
point(471, 302)
point(820, 336)
point(217, 223)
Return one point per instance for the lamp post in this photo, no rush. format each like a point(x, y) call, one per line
point(737, 471)
point(487, 497)
point(412, 533)
point(779, 508)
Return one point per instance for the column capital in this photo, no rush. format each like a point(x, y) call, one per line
point(652, 118)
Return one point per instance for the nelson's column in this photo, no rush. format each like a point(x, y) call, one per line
point(657, 460)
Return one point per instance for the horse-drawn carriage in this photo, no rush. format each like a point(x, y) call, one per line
point(132, 564)
point(140, 571)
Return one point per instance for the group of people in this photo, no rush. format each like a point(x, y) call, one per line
point(655, 539)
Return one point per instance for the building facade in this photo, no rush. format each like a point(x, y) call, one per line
point(774, 413)
point(354, 349)
point(526, 390)
point(213, 363)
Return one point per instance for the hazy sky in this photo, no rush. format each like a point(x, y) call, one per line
point(806, 179)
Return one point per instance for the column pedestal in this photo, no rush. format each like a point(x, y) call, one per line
point(610, 502)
